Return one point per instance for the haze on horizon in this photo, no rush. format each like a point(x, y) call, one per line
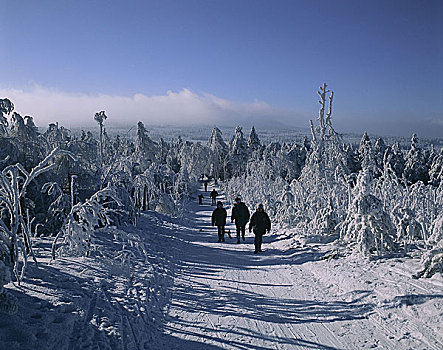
point(226, 62)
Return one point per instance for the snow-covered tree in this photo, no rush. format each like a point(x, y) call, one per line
point(254, 143)
point(415, 163)
point(56, 136)
point(6, 108)
point(366, 154)
point(146, 149)
point(436, 169)
point(397, 161)
point(16, 224)
point(367, 228)
point(219, 149)
point(238, 154)
point(379, 152)
point(196, 159)
point(100, 118)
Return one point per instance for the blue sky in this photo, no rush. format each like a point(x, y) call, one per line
point(227, 61)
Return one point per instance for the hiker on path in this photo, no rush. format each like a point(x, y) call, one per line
point(219, 219)
point(261, 224)
point(206, 186)
point(240, 214)
point(214, 195)
point(200, 199)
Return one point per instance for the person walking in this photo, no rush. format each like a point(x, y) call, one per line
point(214, 195)
point(261, 224)
point(240, 214)
point(219, 219)
point(200, 199)
point(206, 186)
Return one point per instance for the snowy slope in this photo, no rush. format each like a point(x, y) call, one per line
point(175, 287)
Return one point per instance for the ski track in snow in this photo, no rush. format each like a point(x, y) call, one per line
point(180, 289)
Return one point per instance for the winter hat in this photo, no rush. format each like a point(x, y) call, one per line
point(238, 200)
point(260, 206)
point(219, 204)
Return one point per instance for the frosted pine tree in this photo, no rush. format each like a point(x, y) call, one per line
point(172, 158)
point(297, 158)
point(219, 150)
point(145, 148)
point(415, 163)
point(367, 228)
point(196, 159)
point(238, 154)
point(379, 152)
point(366, 154)
point(397, 161)
point(436, 169)
point(254, 143)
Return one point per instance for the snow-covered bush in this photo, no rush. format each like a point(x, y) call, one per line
point(286, 212)
point(324, 222)
point(407, 227)
point(77, 233)
point(433, 259)
point(15, 223)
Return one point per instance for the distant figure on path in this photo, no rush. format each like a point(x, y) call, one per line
point(240, 213)
point(206, 186)
point(214, 195)
point(200, 199)
point(219, 219)
point(260, 223)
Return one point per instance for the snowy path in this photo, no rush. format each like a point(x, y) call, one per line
point(177, 288)
point(226, 297)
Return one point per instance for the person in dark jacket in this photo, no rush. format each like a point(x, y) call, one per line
point(261, 224)
point(214, 195)
point(240, 213)
point(219, 219)
point(206, 186)
point(200, 199)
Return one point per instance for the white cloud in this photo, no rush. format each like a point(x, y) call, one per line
point(174, 108)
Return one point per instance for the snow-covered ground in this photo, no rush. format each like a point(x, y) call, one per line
point(175, 287)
